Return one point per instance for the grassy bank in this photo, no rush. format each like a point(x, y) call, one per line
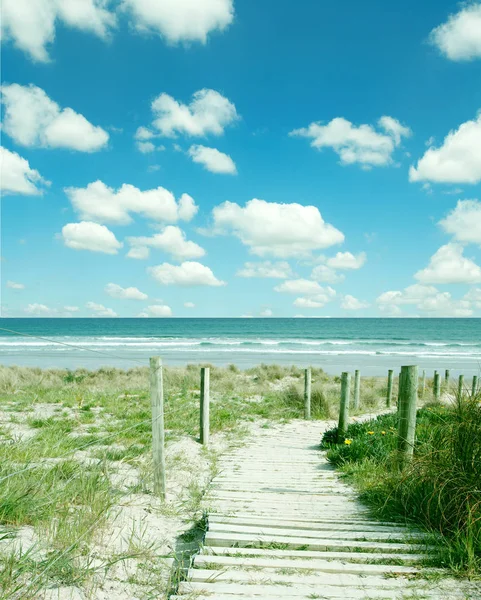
point(76, 504)
point(439, 490)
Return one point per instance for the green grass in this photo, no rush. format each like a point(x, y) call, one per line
point(438, 490)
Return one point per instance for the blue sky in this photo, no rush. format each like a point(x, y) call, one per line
point(345, 138)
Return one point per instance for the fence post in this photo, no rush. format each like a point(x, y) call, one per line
point(475, 385)
point(389, 388)
point(399, 386)
point(423, 384)
point(157, 403)
point(407, 413)
point(357, 388)
point(204, 405)
point(446, 378)
point(344, 406)
point(437, 387)
point(307, 393)
point(460, 386)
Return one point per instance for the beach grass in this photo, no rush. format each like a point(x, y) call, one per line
point(75, 455)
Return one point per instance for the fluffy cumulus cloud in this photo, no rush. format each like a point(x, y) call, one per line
point(38, 310)
point(426, 299)
point(326, 274)
point(448, 265)
point(99, 310)
point(189, 305)
point(188, 274)
point(313, 295)
point(16, 176)
point(464, 222)
point(460, 37)
point(171, 240)
point(208, 113)
point(13, 285)
point(213, 160)
point(180, 20)
point(346, 260)
point(30, 25)
point(90, 236)
point(157, 310)
point(457, 160)
point(100, 203)
point(130, 293)
point(32, 119)
point(351, 303)
point(281, 230)
point(361, 144)
point(474, 296)
point(266, 269)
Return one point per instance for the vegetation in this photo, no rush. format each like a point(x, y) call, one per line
point(439, 489)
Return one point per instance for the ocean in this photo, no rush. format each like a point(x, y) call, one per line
point(336, 345)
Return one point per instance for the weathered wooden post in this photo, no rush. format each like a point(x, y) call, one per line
point(460, 386)
point(158, 439)
point(475, 385)
point(344, 407)
point(437, 387)
point(389, 387)
point(204, 405)
point(400, 383)
point(423, 384)
point(357, 389)
point(407, 413)
point(307, 393)
point(446, 379)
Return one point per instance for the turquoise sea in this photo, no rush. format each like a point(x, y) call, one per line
point(373, 345)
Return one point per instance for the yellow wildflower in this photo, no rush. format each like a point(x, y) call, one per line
point(370, 432)
point(348, 442)
point(383, 432)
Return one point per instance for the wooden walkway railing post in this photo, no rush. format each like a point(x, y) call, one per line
point(204, 405)
point(475, 385)
point(436, 387)
point(357, 389)
point(407, 413)
point(158, 435)
point(344, 406)
point(389, 387)
point(446, 379)
point(423, 384)
point(307, 393)
point(460, 386)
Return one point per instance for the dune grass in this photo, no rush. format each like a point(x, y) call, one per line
point(439, 490)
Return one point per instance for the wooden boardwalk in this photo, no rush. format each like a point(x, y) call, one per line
point(282, 525)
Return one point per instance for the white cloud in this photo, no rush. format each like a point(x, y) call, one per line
point(209, 112)
point(144, 134)
point(300, 286)
point(145, 147)
point(282, 230)
point(171, 240)
point(443, 305)
point(16, 176)
point(448, 265)
point(460, 37)
point(326, 274)
point(346, 260)
point(98, 202)
point(474, 296)
point(157, 310)
point(464, 222)
point(267, 312)
point(138, 252)
point(30, 25)
point(212, 159)
point(71, 308)
point(130, 293)
point(458, 160)
point(317, 300)
point(187, 274)
point(90, 236)
point(13, 285)
point(189, 305)
point(32, 119)
point(180, 20)
point(100, 310)
point(38, 309)
point(351, 303)
point(357, 144)
point(266, 269)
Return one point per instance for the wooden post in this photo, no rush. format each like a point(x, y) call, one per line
point(307, 393)
point(446, 379)
point(344, 407)
point(475, 385)
point(437, 387)
point(204, 405)
point(157, 403)
point(460, 386)
point(357, 389)
point(399, 386)
point(407, 413)
point(423, 384)
point(389, 387)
